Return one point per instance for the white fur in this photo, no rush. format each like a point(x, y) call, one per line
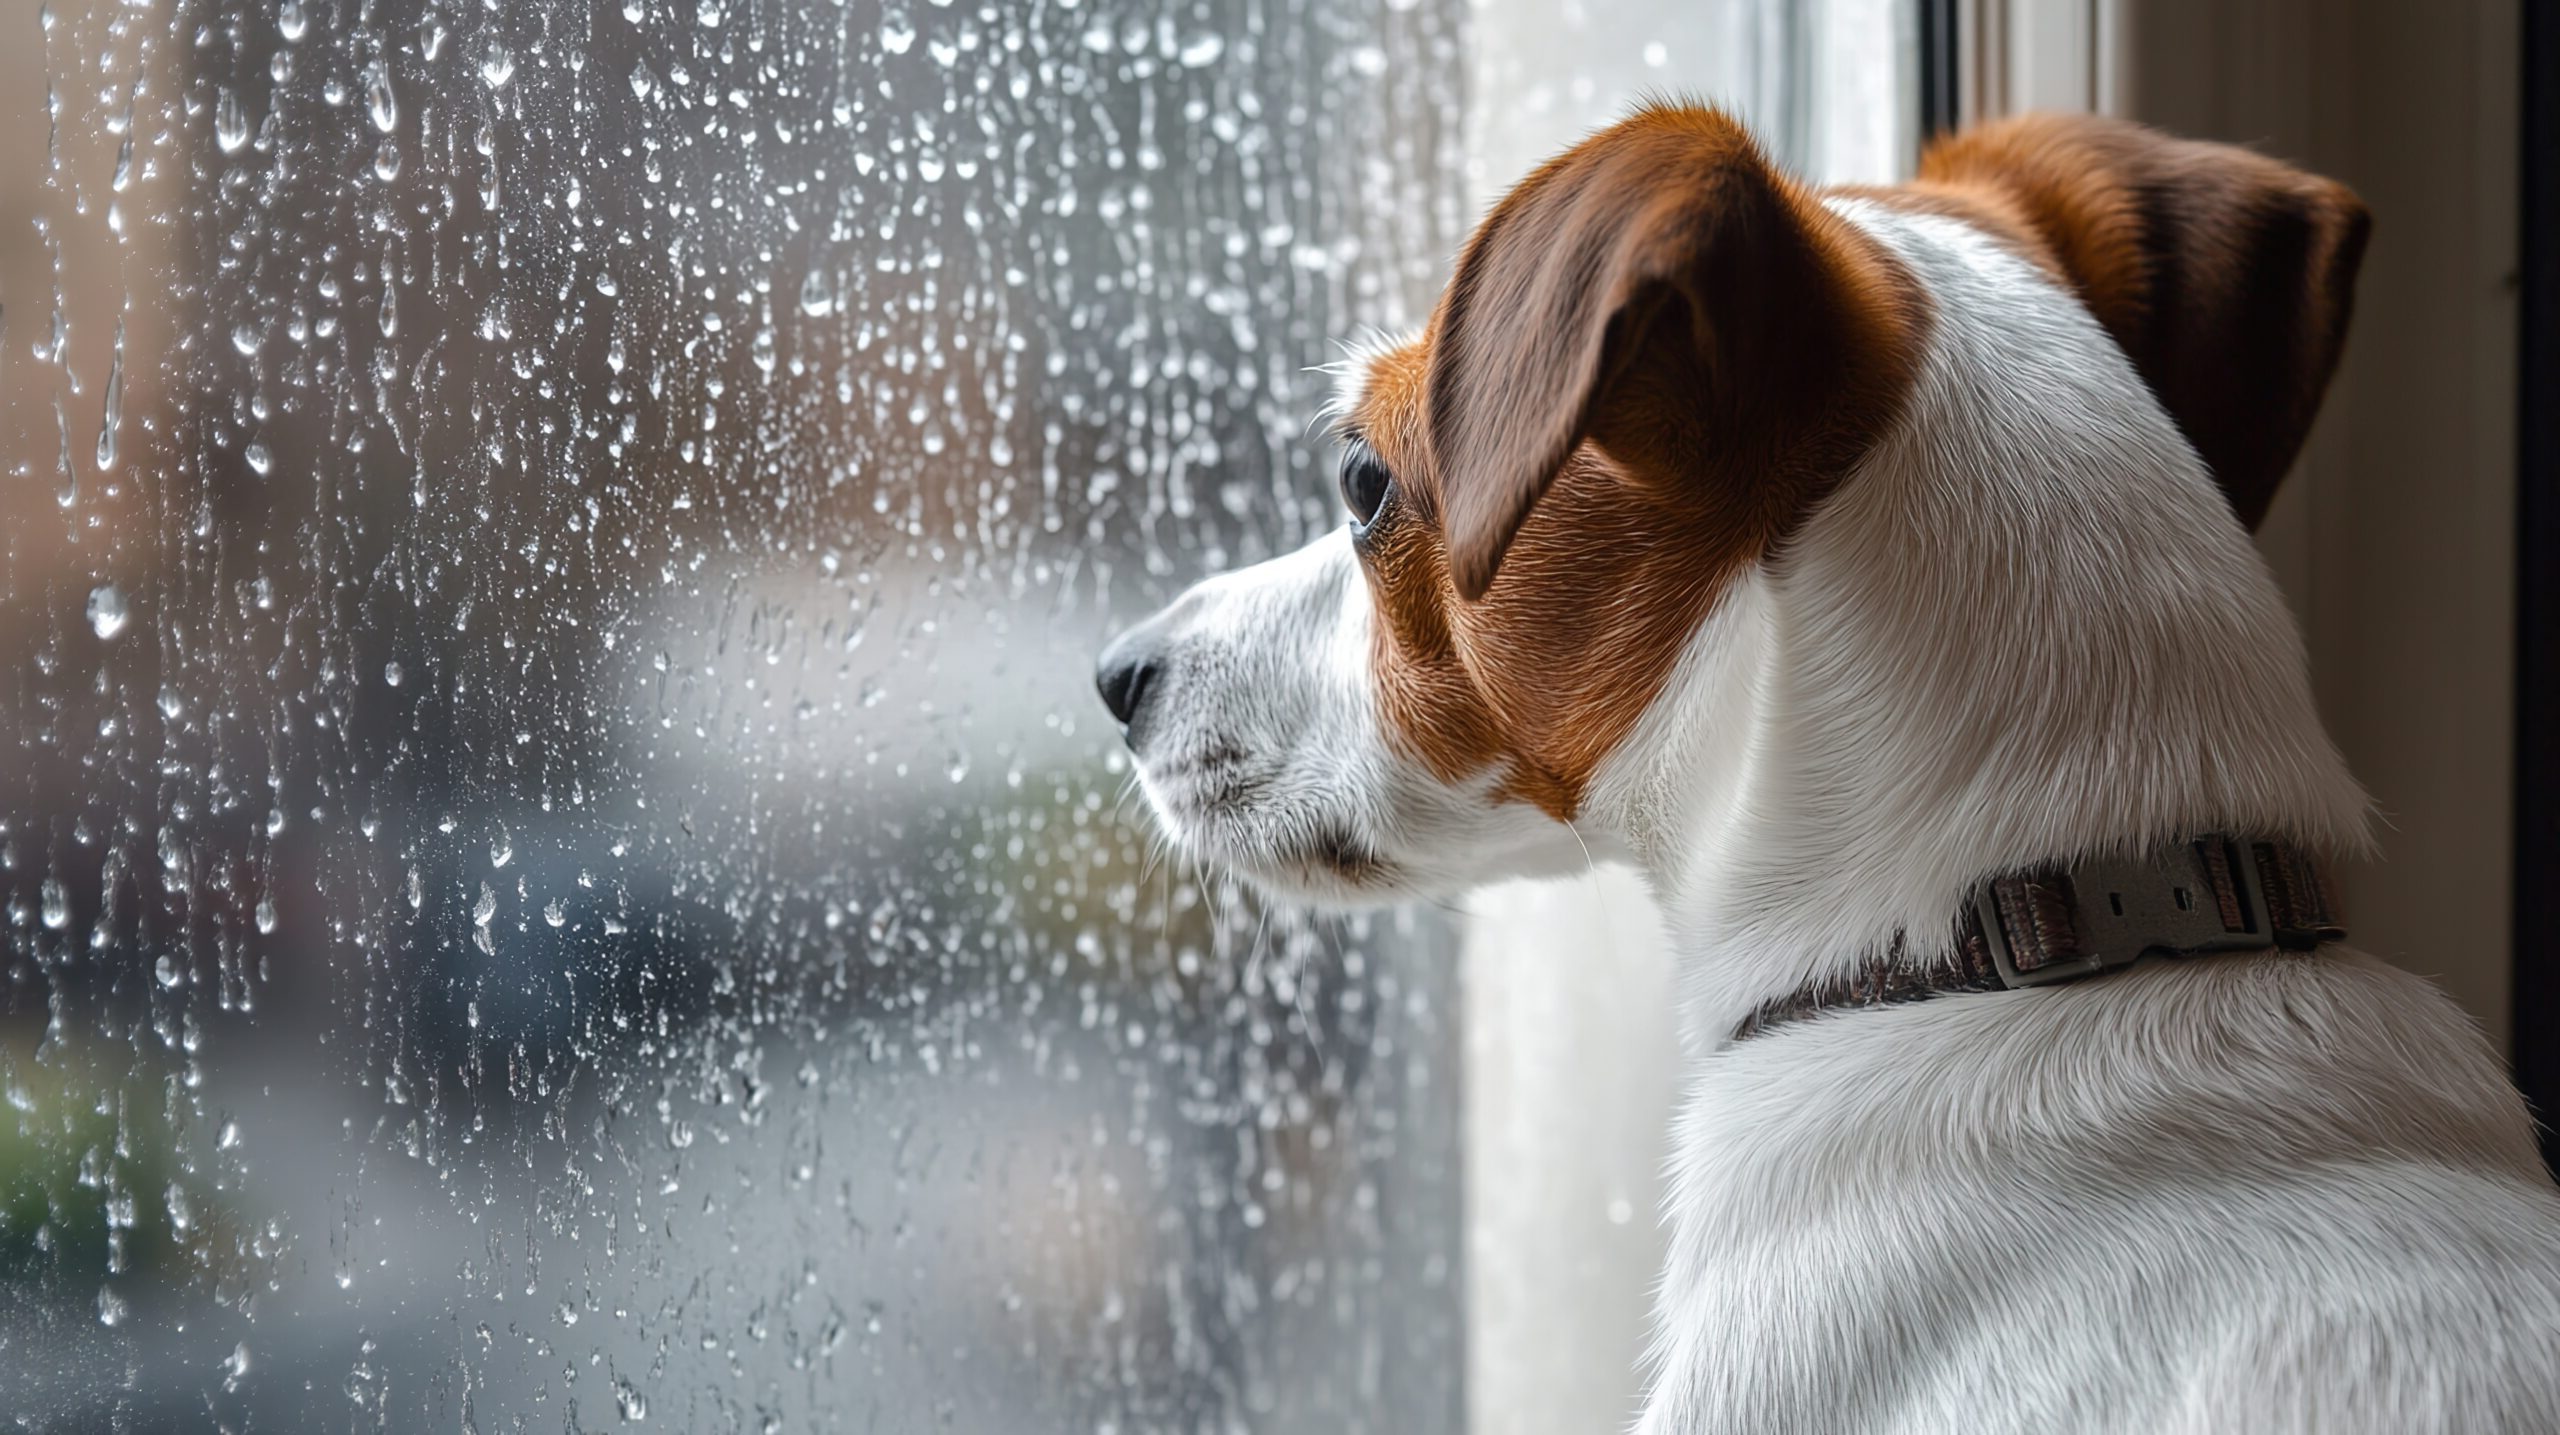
point(2250, 1194)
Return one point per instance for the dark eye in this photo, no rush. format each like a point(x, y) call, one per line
point(1364, 481)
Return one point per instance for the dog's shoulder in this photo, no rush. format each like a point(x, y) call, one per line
point(2268, 1194)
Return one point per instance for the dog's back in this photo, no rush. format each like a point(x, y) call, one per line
point(2259, 1195)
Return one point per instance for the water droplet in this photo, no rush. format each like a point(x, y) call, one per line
point(707, 14)
point(642, 81)
point(245, 339)
point(181, 1215)
point(112, 1309)
point(171, 704)
point(267, 913)
point(391, 674)
point(113, 417)
point(498, 66)
point(554, 913)
point(260, 460)
point(69, 493)
point(485, 911)
point(57, 905)
point(502, 850)
point(635, 11)
point(815, 300)
point(291, 21)
point(379, 101)
point(386, 161)
point(230, 123)
point(389, 318)
point(106, 610)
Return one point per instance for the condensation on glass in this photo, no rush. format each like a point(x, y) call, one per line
point(560, 864)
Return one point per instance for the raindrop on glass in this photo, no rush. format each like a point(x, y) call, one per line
point(230, 124)
point(379, 101)
point(114, 415)
point(106, 610)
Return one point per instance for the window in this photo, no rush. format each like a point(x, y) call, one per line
point(560, 865)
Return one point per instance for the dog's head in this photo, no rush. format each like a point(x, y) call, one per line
point(1657, 357)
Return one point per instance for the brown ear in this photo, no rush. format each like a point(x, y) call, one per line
point(1663, 292)
point(2226, 276)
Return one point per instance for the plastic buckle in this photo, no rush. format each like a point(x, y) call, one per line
point(2123, 911)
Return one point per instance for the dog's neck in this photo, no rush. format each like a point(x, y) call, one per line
point(2027, 629)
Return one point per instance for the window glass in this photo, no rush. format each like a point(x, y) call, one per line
point(560, 863)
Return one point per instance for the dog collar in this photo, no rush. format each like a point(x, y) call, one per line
point(2061, 923)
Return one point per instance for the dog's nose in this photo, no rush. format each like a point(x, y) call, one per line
point(1128, 670)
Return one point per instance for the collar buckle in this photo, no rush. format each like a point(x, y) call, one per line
point(2213, 894)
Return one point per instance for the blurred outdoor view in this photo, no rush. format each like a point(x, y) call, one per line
point(559, 866)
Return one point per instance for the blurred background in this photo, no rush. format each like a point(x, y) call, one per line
point(558, 864)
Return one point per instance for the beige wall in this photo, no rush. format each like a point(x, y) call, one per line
point(2396, 537)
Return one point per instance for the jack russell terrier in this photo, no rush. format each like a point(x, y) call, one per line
point(1870, 568)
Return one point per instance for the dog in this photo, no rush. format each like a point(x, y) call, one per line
point(1870, 569)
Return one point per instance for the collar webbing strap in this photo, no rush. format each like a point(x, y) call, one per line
point(2053, 924)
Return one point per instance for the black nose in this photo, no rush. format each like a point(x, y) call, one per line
point(1128, 671)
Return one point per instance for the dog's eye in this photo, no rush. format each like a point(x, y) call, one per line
point(1364, 481)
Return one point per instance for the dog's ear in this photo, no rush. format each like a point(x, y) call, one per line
point(2226, 276)
point(1662, 291)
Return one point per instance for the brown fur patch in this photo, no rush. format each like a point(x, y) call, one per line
point(2227, 277)
point(1657, 355)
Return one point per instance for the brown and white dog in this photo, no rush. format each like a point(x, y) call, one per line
point(1824, 554)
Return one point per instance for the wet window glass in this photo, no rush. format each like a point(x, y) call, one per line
point(559, 866)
